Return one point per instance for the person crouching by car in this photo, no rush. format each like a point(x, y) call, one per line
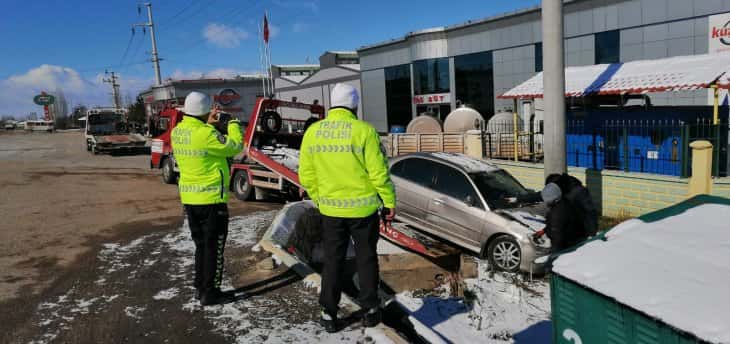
point(562, 226)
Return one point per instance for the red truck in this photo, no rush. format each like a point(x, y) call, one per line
point(271, 154)
point(270, 159)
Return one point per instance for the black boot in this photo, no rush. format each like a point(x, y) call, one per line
point(217, 297)
point(328, 321)
point(372, 317)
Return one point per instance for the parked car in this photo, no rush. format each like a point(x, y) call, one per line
point(463, 200)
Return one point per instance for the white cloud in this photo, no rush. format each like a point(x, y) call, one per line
point(224, 36)
point(299, 27)
point(17, 91)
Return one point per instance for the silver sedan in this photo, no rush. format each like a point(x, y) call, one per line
point(464, 201)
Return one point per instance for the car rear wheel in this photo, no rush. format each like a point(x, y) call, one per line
point(168, 171)
point(242, 188)
point(504, 254)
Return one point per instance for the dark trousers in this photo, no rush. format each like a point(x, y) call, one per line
point(209, 229)
point(336, 233)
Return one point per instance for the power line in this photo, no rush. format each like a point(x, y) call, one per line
point(126, 50)
point(176, 14)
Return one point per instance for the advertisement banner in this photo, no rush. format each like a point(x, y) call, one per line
point(718, 36)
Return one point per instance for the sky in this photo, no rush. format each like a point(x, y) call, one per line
point(68, 45)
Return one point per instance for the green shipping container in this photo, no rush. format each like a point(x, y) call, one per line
point(581, 315)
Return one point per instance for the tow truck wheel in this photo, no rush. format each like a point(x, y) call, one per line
point(88, 146)
point(168, 171)
point(241, 186)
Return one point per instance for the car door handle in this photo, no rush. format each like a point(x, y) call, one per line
point(438, 201)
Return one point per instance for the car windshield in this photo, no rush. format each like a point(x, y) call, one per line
point(106, 124)
point(495, 186)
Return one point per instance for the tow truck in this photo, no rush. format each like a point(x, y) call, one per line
point(107, 131)
point(271, 155)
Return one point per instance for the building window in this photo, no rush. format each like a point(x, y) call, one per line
point(398, 95)
point(538, 57)
point(607, 47)
point(431, 76)
point(475, 82)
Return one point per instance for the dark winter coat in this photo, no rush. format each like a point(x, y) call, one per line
point(578, 195)
point(563, 226)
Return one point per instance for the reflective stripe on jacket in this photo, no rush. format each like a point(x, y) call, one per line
point(343, 168)
point(201, 153)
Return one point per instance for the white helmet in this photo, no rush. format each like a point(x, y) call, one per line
point(344, 95)
point(197, 104)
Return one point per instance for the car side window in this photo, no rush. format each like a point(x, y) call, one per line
point(453, 183)
point(419, 171)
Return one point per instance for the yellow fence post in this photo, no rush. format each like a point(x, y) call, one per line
point(715, 105)
point(514, 129)
point(701, 180)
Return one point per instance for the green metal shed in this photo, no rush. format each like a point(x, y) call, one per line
point(663, 278)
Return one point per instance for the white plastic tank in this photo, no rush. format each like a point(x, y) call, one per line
point(424, 124)
point(462, 120)
point(503, 122)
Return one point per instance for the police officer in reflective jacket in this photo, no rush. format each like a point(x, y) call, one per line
point(201, 153)
point(345, 172)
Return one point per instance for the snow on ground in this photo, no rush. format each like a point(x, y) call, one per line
point(257, 319)
point(501, 305)
point(167, 294)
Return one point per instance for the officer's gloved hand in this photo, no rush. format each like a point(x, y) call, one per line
point(388, 214)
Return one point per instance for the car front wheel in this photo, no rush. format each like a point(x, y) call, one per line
point(504, 254)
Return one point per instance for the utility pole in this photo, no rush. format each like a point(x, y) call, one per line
point(155, 58)
point(553, 79)
point(115, 88)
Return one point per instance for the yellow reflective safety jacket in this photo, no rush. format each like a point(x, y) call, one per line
point(342, 167)
point(201, 153)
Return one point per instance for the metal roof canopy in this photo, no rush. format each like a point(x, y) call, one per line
point(644, 76)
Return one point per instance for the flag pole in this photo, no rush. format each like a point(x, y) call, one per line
point(268, 56)
point(261, 59)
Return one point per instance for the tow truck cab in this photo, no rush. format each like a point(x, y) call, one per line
point(161, 148)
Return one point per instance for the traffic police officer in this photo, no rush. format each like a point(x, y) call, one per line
point(201, 153)
point(345, 172)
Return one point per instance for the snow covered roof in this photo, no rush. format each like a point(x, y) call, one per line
point(668, 74)
point(676, 269)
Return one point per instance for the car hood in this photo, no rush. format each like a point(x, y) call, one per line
point(532, 216)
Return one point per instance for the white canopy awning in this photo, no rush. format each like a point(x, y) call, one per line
point(644, 76)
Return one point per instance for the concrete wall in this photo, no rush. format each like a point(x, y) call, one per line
point(373, 99)
point(511, 67)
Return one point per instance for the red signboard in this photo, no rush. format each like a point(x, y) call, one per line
point(440, 98)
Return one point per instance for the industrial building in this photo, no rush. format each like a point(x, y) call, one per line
point(433, 70)
point(334, 67)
